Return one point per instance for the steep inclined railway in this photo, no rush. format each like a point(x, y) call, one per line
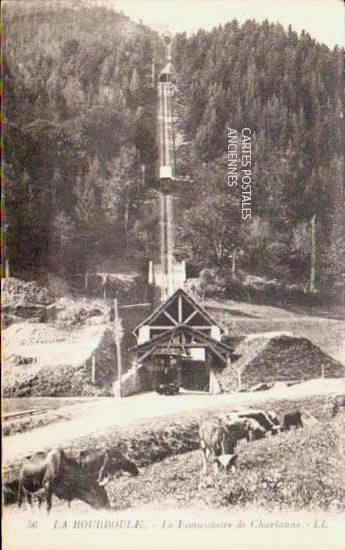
point(166, 157)
point(169, 274)
point(166, 141)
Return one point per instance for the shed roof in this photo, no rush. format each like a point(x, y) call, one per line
point(190, 304)
point(222, 351)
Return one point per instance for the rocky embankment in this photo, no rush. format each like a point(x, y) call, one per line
point(55, 346)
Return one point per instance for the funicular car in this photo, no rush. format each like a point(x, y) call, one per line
point(167, 372)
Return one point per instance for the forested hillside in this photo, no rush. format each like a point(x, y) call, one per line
point(80, 113)
point(288, 90)
point(80, 145)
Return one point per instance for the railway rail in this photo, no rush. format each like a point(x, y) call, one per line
point(21, 414)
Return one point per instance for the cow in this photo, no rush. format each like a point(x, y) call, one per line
point(238, 427)
point(337, 402)
point(45, 474)
point(219, 436)
point(256, 431)
point(10, 491)
point(102, 464)
point(213, 441)
point(266, 420)
point(292, 418)
point(272, 415)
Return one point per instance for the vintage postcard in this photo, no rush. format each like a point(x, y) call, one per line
point(173, 282)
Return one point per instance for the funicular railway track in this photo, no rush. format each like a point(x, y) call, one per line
point(166, 157)
point(171, 274)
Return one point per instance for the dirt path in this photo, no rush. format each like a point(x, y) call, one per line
point(93, 417)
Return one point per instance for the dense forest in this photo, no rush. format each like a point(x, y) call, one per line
point(288, 90)
point(80, 115)
point(80, 145)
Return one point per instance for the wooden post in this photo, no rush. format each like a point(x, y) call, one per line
point(150, 273)
point(135, 368)
point(322, 370)
point(86, 280)
point(143, 175)
point(233, 264)
point(105, 287)
point(93, 369)
point(7, 267)
point(239, 381)
point(118, 345)
point(153, 72)
point(180, 310)
point(312, 255)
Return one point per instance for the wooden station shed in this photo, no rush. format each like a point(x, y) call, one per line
point(181, 331)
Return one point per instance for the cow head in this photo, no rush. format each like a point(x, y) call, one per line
point(253, 429)
point(276, 429)
point(97, 496)
point(226, 462)
point(114, 461)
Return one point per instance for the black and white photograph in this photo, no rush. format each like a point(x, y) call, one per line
point(173, 274)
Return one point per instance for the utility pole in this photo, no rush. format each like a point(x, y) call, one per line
point(233, 264)
point(118, 345)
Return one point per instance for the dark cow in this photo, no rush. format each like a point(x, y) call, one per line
point(337, 402)
point(45, 474)
point(10, 491)
point(292, 418)
point(102, 464)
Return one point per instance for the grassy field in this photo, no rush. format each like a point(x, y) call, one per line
point(302, 469)
point(296, 470)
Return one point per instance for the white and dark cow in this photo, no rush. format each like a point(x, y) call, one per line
point(268, 420)
point(273, 416)
point(219, 436)
point(214, 442)
point(237, 429)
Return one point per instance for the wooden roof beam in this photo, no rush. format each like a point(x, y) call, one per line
point(190, 317)
point(180, 309)
point(168, 316)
